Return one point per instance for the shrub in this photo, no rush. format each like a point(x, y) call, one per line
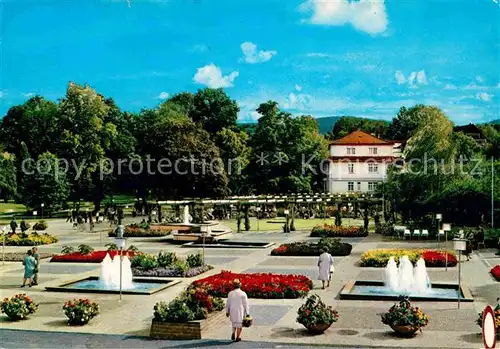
point(111, 247)
point(133, 248)
point(180, 266)
point(495, 271)
point(328, 230)
point(379, 257)
point(195, 260)
point(144, 262)
point(67, 249)
point(19, 307)
point(80, 311)
point(386, 229)
point(135, 231)
point(166, 259)
point(314, 312)
point(41, 225)
point(175, 311)
point(170, 272)
point(404, 314)
point(334, 246)
point(33, 239)
point(85, 249)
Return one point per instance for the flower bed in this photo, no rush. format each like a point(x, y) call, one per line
point(141, 231)
point(404, 318)
point(19, 307)
point(19, 256)
point(334, 247)
point(168, 265)
point(433, 258)
point(315, 315)
point(92, 257)
point(257, 285)
point(33, 239)
point(495, 271)
point(332, 231)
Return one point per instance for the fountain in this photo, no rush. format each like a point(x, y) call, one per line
point(109, 280)
point(187, 216)
point(405, 280)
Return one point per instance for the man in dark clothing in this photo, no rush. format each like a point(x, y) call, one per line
point(13, 225)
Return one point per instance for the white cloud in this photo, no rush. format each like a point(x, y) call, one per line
point(255, 115)
point(411, 79)
point(163, 95)
point(299, 101)
point(1, 94)
point(483, 96)
point(400, 77)
point(449, 87)
point(364, 15)
point(298, 87)
point(318, 54)
point(479, 79)
point(28, 95)
point(211, 76)
point(421, 78)
point(253, 56)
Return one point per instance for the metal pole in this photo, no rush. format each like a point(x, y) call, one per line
point(121, 262)
point(3, 248)
point(204, 234)
point(459, 276)
point(492, 201)
point(439, 238)
point(445, 252)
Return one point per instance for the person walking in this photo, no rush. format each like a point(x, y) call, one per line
point(325, 265)
point(237, 308)
point(13, 225)
point(24, 227)
point(36, 255)
point(29, 267)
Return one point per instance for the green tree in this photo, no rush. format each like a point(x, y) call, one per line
point(348, 124)
point(8, 183)
point(185, 100)
point(406, 122)
point(214, 110)
point(46, 183)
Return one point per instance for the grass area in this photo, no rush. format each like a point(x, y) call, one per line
point(9, 207)
point(277, 223)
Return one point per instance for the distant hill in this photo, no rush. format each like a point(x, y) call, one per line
point(326, 123)
point(495, 121)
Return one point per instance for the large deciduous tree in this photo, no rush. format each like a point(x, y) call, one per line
point(348, 124)
point(213, 109)
point(8, 182)
point(406, 122)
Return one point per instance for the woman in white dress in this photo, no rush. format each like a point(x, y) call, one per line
point(325, 263)
point(236, 309)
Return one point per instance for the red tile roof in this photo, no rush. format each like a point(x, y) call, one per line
point(359, 138)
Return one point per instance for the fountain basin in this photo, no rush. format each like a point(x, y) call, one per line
point(376, 290)
point(230, 244)
point(145, 286)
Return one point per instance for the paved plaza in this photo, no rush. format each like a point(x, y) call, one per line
point(274, 320)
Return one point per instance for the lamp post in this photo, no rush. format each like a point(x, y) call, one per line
point(459, 245)
point(439, 216)
point(42, 209)
point(204, 232)
point(287, 229)
point(3, 245)
point(120, 241)
point(446, 228)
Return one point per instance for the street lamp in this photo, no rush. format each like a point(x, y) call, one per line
point(287, 229)
point(439, 217)
point(446, 228)
point(42, 209)
point(459, 245)
point(3, 245)
point(120, 241)
point(204, 233)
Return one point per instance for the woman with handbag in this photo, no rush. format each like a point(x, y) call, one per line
point(237, 309)
point(325, 266)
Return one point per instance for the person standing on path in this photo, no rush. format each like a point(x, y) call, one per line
point(236, 308)
point(29, 267)
point(13, 225)
point(325, 264)
point(37, 267)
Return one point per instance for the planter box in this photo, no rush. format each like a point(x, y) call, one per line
point(187, 330)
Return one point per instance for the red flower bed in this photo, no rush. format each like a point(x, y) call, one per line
point(93, 257)
point(435, 259)
point(495, 271)
point(257, 285)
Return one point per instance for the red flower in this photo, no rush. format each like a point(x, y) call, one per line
point(495, 271)
point(438, 259)
point(94, 257)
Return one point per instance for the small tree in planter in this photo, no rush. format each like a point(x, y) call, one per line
point(316, 316)
point(19, 307)
point(405, 319)
point(80, 311)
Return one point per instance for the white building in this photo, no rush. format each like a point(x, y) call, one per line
point(358, 162)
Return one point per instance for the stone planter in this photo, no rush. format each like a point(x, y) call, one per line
point(405, 331)
point(187, 330)
point(318, 328)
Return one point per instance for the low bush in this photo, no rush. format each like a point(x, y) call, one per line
point(195, 260)
point(85, 249)
point(18, 307)
point(332, 231)
point(433, 258)
point(135, 230)
point(166, 259)
point(333, 245)
point(168, 265)
point(386, 229)
point(33, 239)
point(80, 311)
point(41, 225)
point(495, 271)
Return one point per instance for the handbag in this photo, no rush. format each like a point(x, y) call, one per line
point(247, 321)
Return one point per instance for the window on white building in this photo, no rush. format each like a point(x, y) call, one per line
point(373, 168)
point(350, 168)
point(372, 186)
point(372, 151)
point(350, 186)
point(359, 186)
point(351, 151)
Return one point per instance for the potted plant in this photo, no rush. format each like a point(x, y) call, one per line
point(479, 320)
point(316, 316)
point(405, 319)
point(19, 307)
point(80, 311)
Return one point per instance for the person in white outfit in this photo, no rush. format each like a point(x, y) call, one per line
point(325, 264)
point(236, 309)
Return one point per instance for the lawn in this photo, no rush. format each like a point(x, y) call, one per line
point(277, 223)
point(10, 207)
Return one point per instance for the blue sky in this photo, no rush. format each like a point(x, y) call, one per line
point(319, 57)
